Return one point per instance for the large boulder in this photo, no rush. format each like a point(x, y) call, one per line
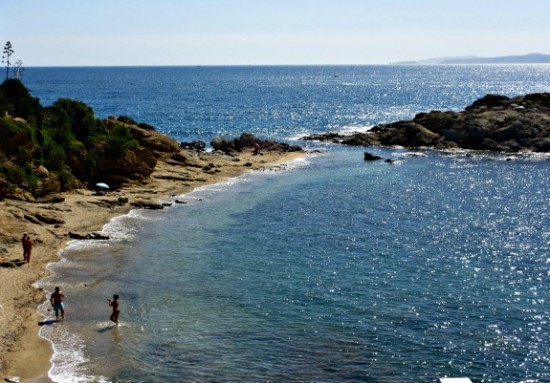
point(3, 188)
point(136, 165)
point(156, 142)
point(250, 141)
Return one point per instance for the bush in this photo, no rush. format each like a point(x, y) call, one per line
point(146, 126)
point(15, 174)
point(17, 101)
point(120, 140)
point(55, 157)
point(65, 179)
point(127, 120)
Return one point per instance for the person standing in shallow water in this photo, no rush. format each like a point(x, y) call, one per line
point(56, 299)
point(114, 303)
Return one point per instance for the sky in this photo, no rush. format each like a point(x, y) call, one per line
point(268, 32)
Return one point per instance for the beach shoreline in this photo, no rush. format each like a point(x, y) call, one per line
point(24, 354)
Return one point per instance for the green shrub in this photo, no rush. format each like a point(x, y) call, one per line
point(55, 157)
point(127, 120)
point(146, 126)
point(15, 174)
point(120, 140)
point(18, 102)
point(65, 179)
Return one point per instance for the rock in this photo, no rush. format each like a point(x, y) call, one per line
point(47, 185)
point(197, 145)
point(147, 204)
point(137, 165)
point(251, 142)
point(92, 235)
point(48, 218)
point(42, 171)
point(3, 188)
point(51, 199)
point(371, 157)
point(156, 142)
point(494, 122)
point(489, 101)
point(122, 199)
point(31, 218)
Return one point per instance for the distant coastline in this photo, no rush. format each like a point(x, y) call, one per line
point(530, 58)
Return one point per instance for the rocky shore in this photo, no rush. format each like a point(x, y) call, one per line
point(163, 168)
point(494, 123)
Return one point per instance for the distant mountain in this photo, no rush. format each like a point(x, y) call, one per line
point(531, 58)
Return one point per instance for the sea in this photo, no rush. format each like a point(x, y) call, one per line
point(329, 269)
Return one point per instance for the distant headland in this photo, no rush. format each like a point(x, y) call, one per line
point(531, 58)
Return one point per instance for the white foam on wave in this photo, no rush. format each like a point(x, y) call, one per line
point(346, 130)
point(68, 356)
point(197, 194)
point(68, 348)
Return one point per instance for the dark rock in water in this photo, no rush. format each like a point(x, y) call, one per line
point(93, 235)
point(371, 157)
point(197, 145)
point(251, 142)
point(489, 101)
point(148, 205)
point(330, 136)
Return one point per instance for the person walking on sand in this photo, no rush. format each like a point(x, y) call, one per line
point(114, 303)
point(27, 247)
point(56, 299)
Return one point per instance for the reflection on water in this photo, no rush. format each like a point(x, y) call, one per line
point(336, 271)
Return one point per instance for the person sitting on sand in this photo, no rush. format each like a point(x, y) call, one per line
point(114, 304)
point(56, 299)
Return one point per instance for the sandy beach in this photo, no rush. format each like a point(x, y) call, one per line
point(24, 355)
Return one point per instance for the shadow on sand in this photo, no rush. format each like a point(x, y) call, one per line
point(48, 322)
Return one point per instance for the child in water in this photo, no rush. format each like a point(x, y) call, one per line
point(114, 304)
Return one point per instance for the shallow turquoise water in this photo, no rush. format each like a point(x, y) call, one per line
point(337, 270)
point(435, 266)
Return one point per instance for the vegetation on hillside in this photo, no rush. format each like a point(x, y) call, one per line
point(57, 147)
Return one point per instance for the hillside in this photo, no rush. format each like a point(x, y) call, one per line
point(47, 150)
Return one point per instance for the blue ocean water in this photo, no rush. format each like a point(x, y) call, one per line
point(336, 270)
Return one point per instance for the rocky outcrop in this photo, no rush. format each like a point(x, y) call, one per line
point(92, 235)
point(494, 122)
point(249, 141)
point(371, 157)
point(137, 165)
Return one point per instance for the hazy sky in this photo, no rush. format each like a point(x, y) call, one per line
point(235, 32)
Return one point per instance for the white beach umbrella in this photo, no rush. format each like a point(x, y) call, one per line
point(102, 185)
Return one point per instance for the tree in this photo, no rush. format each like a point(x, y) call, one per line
point(8, 51)
point(18, 70)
